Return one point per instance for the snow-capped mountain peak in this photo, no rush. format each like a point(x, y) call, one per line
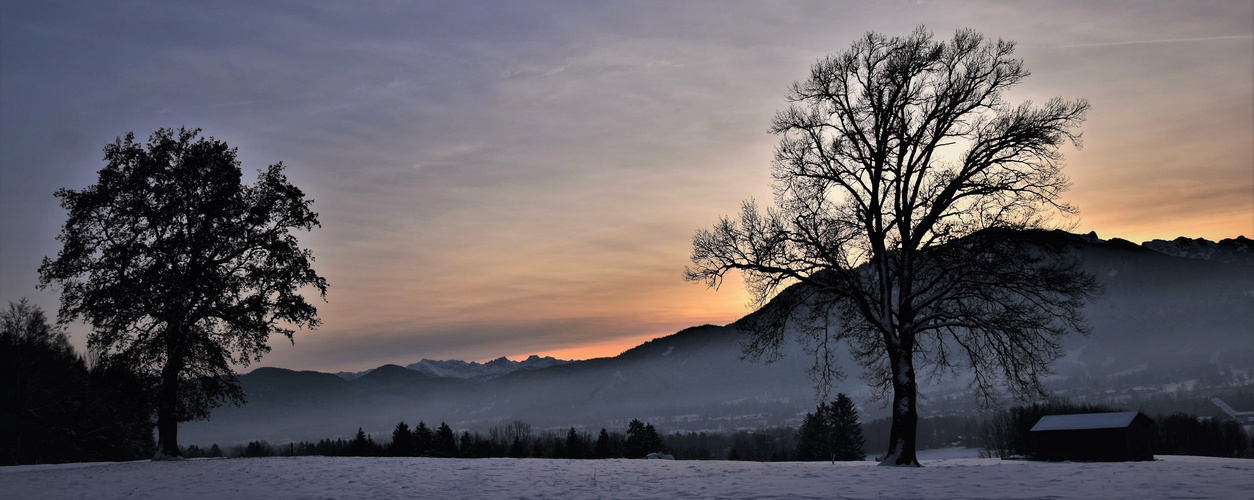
point(454, 368)
point(1239, 250)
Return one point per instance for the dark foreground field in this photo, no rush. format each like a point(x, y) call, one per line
point(338, 477)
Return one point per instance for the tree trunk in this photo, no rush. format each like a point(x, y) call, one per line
point(901, 438)
point(167, 410)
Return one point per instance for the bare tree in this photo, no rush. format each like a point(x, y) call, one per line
point(902, 182)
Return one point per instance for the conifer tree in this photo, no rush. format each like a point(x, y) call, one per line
point(445, 445)
point(642, 439)
point(832, 432)
point(402, 441)
point(846, 432)
point(652, 441)
point(362, 445)
point(636, 447)
point(574, 445)
point(813, 443)
point(603, 444)
point(465, 445)
point(424, 440)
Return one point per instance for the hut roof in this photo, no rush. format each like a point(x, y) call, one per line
point(1111, 420)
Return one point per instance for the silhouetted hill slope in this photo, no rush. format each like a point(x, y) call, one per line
point(392, 378)
point(1161, 319)
point(1164, 311)
point(278, 384)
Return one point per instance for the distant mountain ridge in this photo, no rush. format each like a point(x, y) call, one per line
point(454, 368)
point(1239, 250)
point(1167, 327)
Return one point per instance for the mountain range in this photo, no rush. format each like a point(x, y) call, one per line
point(1239, 250)
point(1173, 328)
point(455, 368)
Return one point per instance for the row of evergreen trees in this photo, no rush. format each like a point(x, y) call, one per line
point(515, 440)
point(832, 432)
point(420, 442)
point(56, 407)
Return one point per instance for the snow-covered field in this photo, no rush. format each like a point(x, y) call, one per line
point(341, 478)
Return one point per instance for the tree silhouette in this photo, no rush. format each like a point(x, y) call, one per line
point(424, 440)
point(466, 445)
point(53, 408)
point(574, 444)
point(603, 446)
point(642, 439)
point(635, 447)
point(445, 442)
point(519, 448)
point(182, 270)
point(402, 441)
point(846, 432)
point(814, 435)
point(362, 445)
point(901, 180)
point(42, 384)
point(119, 411)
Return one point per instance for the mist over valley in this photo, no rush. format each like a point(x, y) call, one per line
point(1173, 329)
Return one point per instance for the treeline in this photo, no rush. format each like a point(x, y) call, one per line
point(826, 434)
point(831, 432)
point(55, 407)
point(1184, 434)
point(1007, 432)
point(758, 445)
point(515, 440)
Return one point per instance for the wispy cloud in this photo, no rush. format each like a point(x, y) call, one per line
point(1145, 42)
point(510, 177)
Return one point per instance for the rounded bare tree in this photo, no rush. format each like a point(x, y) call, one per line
point(903, 181)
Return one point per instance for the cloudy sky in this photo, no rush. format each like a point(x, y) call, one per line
point(508, 178)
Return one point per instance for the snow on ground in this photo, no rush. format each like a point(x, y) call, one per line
point(343, 478)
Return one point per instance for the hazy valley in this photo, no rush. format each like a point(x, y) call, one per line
point(1173, 329)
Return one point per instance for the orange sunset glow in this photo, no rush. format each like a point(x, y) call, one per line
point(518, 180)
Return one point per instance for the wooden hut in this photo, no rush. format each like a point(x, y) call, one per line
point(1098, 437)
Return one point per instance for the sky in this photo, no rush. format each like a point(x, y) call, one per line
point(513, 178)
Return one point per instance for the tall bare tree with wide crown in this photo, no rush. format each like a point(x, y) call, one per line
point(903, 185)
